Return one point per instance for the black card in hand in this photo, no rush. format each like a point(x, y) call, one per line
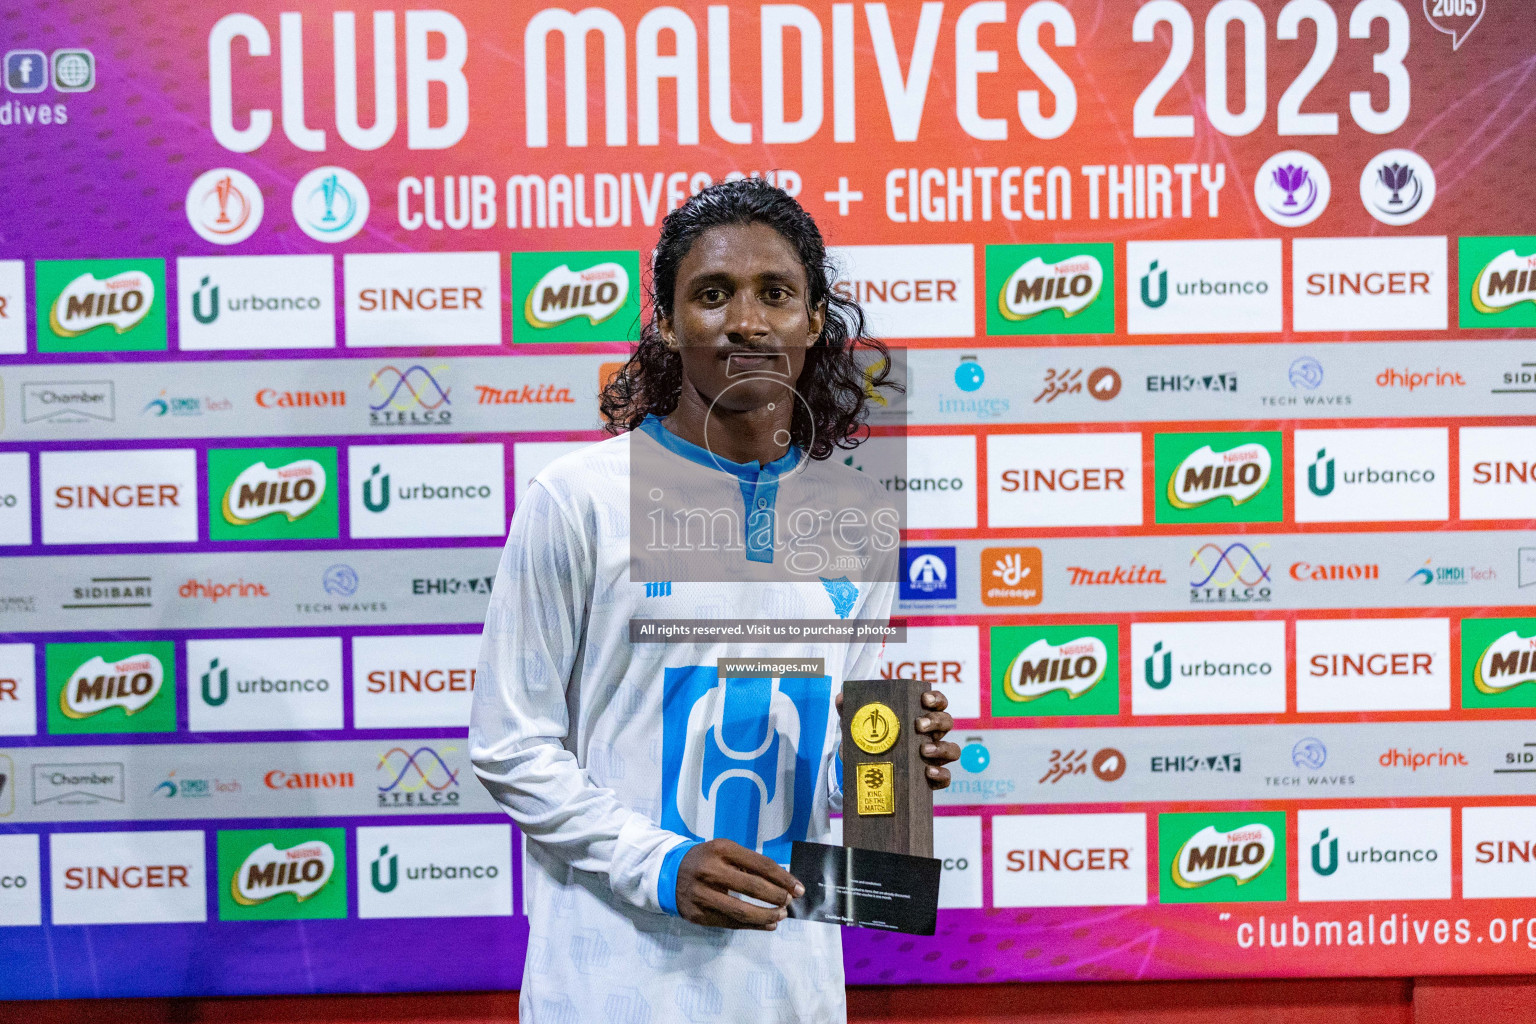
point(866, 888)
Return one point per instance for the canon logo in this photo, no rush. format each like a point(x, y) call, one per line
point(276, 779)
point(898, 290)
point(1374, 282)
point(1307, 571)
point(1101, 858)
point(1378, 663)
point(269, 398)
point(117, 496)
point(1071, 479)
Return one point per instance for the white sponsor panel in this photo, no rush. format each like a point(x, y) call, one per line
point(413, 681)
point(1228, 286)
point(1369, 284)
point(1064, 480)
point(21, 880)
point(16, 498)
point(910, 291)
point(427, 490)
point(115, 497)
point(934, 475)
point(530, 457)
point(1207, 668)
point(1498, 852)
point(127, 877)
point(1498, 472)
point(1373, 665)
point(13, 308)
point(957, 845)
point(1069, 860)
point(18, 694)
point(1357, 476)
point(949, 657)
point(255, 685)
point(434, 871)
point(233, 303)
point(1398, 853)
point(401, 300)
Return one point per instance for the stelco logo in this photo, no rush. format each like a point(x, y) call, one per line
point(597, 293)
point(267, 872)
point(1043, 667)
point(1205, 474)
point(260, 491)
point(1071, 286)
point(1242, 854)
point(1508, 280)
point(1506, 663)
point(130, 684)
point(122, 300)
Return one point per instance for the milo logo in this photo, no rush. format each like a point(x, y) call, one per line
point(1242, 854)
point(1042, 668)
point(294, 490)
point(1070, 285)
point(562, 294)
point(1504, 282)
point(1505, 664)
point(131, 684)
point(268, 872)
point(1205, 474)
point(120, 301)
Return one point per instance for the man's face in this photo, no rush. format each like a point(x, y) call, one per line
point(740, 318)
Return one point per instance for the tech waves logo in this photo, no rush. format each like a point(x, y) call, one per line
point(409, 396)
point(596, 292)
point(131, 684)
point(1241, 854)
point(268, 872)
point(1074, 668)
point(417, 778)
point(1234, 573)
point(293, 490)
point(1218, 477)
point(121, 302)
point(1205, 474)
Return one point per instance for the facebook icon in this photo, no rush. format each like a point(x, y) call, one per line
point(26, 71)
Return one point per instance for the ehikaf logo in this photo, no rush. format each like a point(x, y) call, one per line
point(1055, 670)
point(1051, 289)
point(100, 305)
point(1498, 663)
point(121, 687)
point(576, 296)
point(1218, 477)
point(928, 574)
point(1221, 858)
point(1497, 282)
point(282, 874)
point(741, 758)
point(272, 494)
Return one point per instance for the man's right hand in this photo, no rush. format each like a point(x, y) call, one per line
point(711, 871)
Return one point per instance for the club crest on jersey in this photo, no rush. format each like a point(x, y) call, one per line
point(843, 594)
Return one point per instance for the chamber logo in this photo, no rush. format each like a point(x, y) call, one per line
point(1074, 667)
point(596, 292)
point(268, 872)
point(1070, 285)
point(1505, 664)
point(131, 684)
point(224, 206)
point(1241, 854)
point(1205, 474)
point(294, 490)
point(121, 302)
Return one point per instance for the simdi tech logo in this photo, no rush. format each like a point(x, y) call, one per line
point(100, 305)
point(576, 296)
point(120, 687)
point(1497, 282)
point(1498, 663)
point(1218, 477)
point(1051, 289)
point(1055, 670)
point(272, 494)
point(1237, 857)
point(282, 874)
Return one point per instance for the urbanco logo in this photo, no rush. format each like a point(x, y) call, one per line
point(282, 874)
point(116, 687)
point(1394, 853)
point(1369, 284)
point(224, 206)
point(435, 871)
point(1370, 664)
point(1222, 858)
point(234, 303)
point(1055, 670)
point(1051, 289)
point(576, 296)
point(1204, 287)
point(100, 305)
point(1372, 475)
point(272, 493)
point(262, 684)
point(910, 291)
point(427, 490)
point(21, 880)
point(1497, 282)
point(1218, 477)
point(1195, 668)
point(1498, 663)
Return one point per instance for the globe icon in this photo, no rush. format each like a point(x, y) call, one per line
point(73, 71)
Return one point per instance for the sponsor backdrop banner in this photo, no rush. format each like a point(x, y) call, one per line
point(1217, 323)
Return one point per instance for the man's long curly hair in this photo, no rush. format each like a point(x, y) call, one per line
point(835, 385)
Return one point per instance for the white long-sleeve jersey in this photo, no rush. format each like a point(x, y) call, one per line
point(615, 757)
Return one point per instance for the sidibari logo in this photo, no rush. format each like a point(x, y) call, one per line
point(1070, 285)
point(1205, 474)
point(130, 684)
point(121, 301)
point(268, 872)
point(1242, 854)
point(1042, 668)
point(562, 294)
point(1505, 664)
point(294, 490)
point(1504, 282)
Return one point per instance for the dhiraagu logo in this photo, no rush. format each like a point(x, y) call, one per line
point(1498, 282)
point(1055, 670)
point(282, 874)
point(576, 296)
point(100, 305)
point(1498, 663)
point(1051, 289)
point(120, 687)
point(1218, 478)
point(272, 494)
point(1236, 857)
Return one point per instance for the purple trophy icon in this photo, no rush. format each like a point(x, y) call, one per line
point(1291, 178)
point(1395, 177)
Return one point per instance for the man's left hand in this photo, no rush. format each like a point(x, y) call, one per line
point(934, 725)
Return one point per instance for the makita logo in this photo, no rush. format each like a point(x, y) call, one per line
point(1119, 576)
point(1205, 474)
point(1070, 286)
point(261, 490)
point(597, 293)
point(1241, 854)
point(130, 684)
point(267, 872)
point(1505, 664)
point(121, 301)
point(1043, 667)
point(529, 394)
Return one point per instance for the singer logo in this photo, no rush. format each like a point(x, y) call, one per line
point(1055, 670)
point(1218, 858)
point(741, 757)
point(260, 868)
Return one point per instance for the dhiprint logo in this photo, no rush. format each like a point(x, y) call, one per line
point(1498, 282)
point(409, 397)
point(1229, 574)
point(330, 204)
point(1055, 670)
point(111, 687)
point(233, 303)
point(1368, 284)
point(128, 877)
point(1372, 475)
point(421, 681)
point(1207, 668)
point(427, 490)
point(1069, 860)
point(1203, 287)
point(928, 574)
point(1218, 478)
point(1051, 289)
point(106, 497)
point(1498, 472)
point(435, 871)
point(1089, 479)
point(417, 779)
point(402, 300)
point(100, 305)
point(1373, 665)
point(1222, 858)
point(264, 684)
point(1012, 576)
point(741, 758)
point(273, 493)
point(910, 291)
point(1498, 663)
point(1292, 188)
point(1377, 854)
point(1397, 187)
point(576, 296)
point(282, 874)
point(224, 206)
